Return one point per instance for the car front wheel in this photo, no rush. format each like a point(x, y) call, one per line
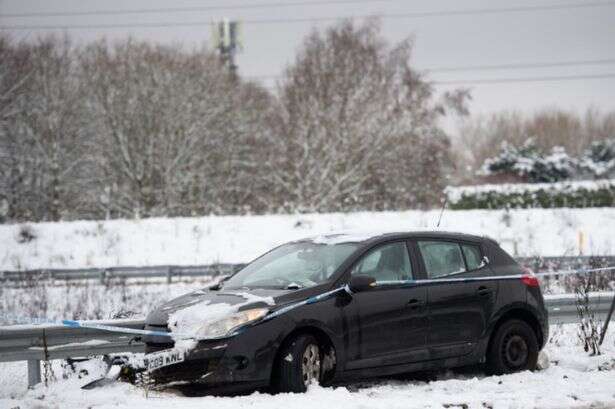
point(300, 365)
point(514, 348)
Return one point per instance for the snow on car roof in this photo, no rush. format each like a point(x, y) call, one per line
point(361, 236)
point(345, 237)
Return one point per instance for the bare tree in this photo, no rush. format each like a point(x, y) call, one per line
point(138, 130)
point(45, 137)
point(163, 126)
point(14, 72)
point(352, 126)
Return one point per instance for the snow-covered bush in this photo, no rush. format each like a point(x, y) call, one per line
point(26, 234)
point(598, 161)
point(599, 193)
point(529, 164)
point(550, 178)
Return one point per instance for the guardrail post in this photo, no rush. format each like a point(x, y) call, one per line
point(34, 372)
point(606, 322)
point(169, 275)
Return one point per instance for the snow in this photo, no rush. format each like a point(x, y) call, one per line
point(572, 380)
point(251, 298)
point(240, 239)
point(455, 193)
point(347, 237)
point(187, 322)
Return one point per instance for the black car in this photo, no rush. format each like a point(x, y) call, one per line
point(342, 307)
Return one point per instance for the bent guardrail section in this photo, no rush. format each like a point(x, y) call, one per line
point(36, 343)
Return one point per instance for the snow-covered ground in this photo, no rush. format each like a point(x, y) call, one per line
point(238, 239)
point(573, 380)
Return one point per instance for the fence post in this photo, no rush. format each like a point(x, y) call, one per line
point(34, 372)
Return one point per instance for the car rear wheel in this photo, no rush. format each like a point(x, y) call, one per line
point(513, 348)
point(300, 365)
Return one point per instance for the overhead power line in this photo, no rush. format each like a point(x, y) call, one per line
point(516, 66)
point(508, 80)
point(525, 79)
point(189, 9)
point(522, 65)
point(424, 14)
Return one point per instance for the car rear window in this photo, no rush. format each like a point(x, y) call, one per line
point(441, 258)
point(472, 255)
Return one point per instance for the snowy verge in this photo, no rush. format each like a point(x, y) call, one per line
point(573, 380)
point(239, 239)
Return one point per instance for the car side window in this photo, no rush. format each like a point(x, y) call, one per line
point(472, 255)
point(389, 262)
point(441, 258)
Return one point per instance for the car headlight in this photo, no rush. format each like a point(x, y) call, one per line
point(227, 325)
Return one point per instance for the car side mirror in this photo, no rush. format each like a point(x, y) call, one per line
point(360, 283)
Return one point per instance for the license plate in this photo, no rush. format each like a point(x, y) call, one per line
point(157, 360)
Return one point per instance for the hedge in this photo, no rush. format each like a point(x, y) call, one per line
point(598, 193)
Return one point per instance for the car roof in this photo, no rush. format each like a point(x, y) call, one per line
point(377, 236)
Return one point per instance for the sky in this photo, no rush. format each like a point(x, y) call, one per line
point(445, 37)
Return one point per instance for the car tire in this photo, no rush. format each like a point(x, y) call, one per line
point(299, 364)
point(513, 348)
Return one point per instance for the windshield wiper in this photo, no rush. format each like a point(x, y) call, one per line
point(293, 286)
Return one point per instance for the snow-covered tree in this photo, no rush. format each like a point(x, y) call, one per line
point(598, 161)
point(14, 73)
point(45, 136)
point(355, 126)
point(136, 129)
point(173, 129)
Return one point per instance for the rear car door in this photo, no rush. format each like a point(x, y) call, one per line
point(390, 320)
point(458, 312)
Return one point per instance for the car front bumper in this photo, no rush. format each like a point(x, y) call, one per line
point(240, 362)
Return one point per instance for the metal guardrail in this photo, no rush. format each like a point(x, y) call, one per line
point(110, 273)
point(563, 309)
point(44, 342)
point(169, 272)
point(565, 262)
point(36, 343)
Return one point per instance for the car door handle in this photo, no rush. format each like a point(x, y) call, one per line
point(484, 291)
point(415, 303)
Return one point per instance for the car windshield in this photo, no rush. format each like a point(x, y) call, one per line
point(293, 266)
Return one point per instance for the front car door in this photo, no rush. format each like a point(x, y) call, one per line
point(389, 325)
point(458, 311)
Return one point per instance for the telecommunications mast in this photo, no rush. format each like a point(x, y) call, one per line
point(226, 38)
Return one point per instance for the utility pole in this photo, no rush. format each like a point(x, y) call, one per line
point(226, 37)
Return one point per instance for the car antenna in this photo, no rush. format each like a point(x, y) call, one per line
point(442, 211)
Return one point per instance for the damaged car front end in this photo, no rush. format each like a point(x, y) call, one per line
point(241, 359)
point(226, 337)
